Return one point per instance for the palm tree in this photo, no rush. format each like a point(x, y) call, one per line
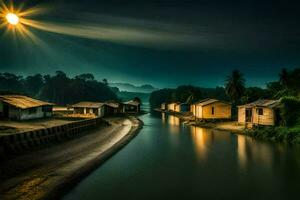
point(235, 86)
point(283, 77)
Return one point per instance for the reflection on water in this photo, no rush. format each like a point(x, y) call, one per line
point(168, 159)
point(172, 120)
point(201, 138)
point(241, 151)
point(249, 150)
point(163, 117)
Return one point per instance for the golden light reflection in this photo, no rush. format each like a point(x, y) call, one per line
point(163, 117)
point(241, 151)
point(201, 138)
point(172, 120)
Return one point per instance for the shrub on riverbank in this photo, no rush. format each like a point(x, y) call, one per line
point(290, 111)
point(277, 134)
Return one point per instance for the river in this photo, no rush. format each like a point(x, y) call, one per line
point(171, 160)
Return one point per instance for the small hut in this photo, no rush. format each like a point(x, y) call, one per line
point(163, 106)
point(211, 109)
point(18, 107)
point(260, 112)
point(113, 108)
point(132, 106)
point(89, 108)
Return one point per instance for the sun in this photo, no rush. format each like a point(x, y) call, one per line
point(16, 19)
point(12, 18)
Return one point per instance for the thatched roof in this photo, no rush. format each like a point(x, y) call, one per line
point(262, 103)
point(87, 104)
point(22, 102)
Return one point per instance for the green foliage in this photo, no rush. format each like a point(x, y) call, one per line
point(235, 86)
point(287, 85)
point(59, 89)
point(12, 83)
point(186, 93)
point(290, 110)
point(253, 93)
point(161, 96)
point(276, 134)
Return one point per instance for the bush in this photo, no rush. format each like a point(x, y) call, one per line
point(290, 110)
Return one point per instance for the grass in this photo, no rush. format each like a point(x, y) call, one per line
point(277, 134)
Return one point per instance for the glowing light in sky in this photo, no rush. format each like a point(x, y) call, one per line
point(19, 20)
point(12, 18)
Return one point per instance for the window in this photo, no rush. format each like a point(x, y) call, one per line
point(260, 111)
point(212, 110)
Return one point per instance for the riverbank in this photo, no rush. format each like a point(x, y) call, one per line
point(268, 133)
point(50, 172)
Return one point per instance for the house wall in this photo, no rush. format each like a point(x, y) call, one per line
point(131, 108)
point(193, 109)
point(171, 106)
point(99, 112)
point(27, 114)
point(268, 117)
point(163, 106)
point(177, 108)
point(221, 111)
point(241, 114)
point(198, 111)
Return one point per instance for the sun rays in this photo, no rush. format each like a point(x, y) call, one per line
point(12, 20)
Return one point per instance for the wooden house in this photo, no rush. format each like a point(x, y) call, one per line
point(132, 106)
point(260, 112)
point(113, 108)
point(163, 106)
point(18, 107)
point(172, 106)
point(89, 108)
point(211, 109)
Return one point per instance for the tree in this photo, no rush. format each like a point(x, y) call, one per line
point(137, 99)
point(235, 86)
point(34, 84)
point(284, 77)
point(105, 81)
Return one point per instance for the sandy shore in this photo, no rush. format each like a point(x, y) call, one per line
point(232, 126)
point(50, 172)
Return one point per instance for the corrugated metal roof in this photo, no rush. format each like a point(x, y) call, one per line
point(23, 102)
point(88, 105)
point(113, 105)
point(134, 103)
point(262, 103)
point(205, 102)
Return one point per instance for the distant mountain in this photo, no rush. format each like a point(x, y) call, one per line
point(147, 88)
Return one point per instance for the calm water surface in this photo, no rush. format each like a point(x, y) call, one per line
point(171, 160)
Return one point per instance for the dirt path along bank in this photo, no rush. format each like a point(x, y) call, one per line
point(48, 173)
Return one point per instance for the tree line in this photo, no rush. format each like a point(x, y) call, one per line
point(58, 88)
point(286, 88)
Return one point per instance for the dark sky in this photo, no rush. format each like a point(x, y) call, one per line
point(162, 42)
